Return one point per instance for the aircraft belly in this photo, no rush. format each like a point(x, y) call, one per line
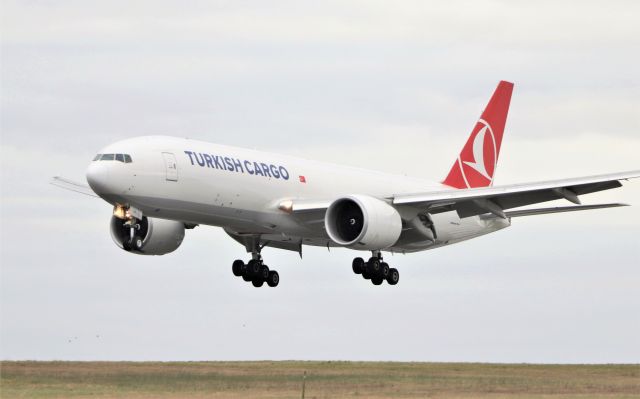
point(237, 219)
point(450, 229)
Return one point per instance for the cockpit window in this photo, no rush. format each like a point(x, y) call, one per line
point(125, 158)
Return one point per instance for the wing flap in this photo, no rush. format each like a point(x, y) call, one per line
point(559, 209)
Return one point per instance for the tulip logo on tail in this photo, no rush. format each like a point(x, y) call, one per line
point(483, 158)
point(476, 165)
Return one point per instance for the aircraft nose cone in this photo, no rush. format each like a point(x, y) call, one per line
point(97, 177)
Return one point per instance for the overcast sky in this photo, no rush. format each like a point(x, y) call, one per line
point(393, 86)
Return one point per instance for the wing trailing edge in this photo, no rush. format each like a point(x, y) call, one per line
point(559, 209)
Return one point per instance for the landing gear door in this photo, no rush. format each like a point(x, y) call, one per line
point(170, 166)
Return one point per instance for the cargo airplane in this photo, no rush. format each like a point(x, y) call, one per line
point(160, 186)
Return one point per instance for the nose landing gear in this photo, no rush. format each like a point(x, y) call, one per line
point(376, 270)
point(132, 233)
point(134, 242)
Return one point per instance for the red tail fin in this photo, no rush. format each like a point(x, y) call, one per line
point(478, 159)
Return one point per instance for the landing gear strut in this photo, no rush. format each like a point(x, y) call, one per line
point(134, 242)
point(376, 270)
point(256, 271)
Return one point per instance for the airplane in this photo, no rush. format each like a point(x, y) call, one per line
point(159, 186)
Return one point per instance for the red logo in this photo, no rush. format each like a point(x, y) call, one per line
point(302, 179)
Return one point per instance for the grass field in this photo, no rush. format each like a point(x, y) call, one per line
point(323, 380)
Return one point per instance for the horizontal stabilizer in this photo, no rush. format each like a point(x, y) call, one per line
point(72, 186)
point(543, 211)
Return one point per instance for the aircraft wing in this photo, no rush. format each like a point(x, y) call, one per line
point(70, 185)
point(489, 200)
point(477, 201)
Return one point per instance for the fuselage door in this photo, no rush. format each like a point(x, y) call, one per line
point(170, 166)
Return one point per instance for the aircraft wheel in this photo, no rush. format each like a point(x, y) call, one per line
point(237, 267)
point(365, 274)
point(393, 277)
point(257, 282)
point(264, 273)
point(373, 266)
point(253, 268)
point(358, 265)
point(377, 280)
point(384, 269)
point(246, 276)
point(135, 242)
point(274, 279)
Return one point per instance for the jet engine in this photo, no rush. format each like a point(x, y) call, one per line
point(363, 222)
point(159, 236)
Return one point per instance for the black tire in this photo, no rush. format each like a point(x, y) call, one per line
point(274, 279)
point(373, 266)
point(257, 282)
point(253, 268)
point(237, 267)
point(393, 277)
point(358, 265)
point(264, 272)
point(245, 273)
point(377, 280)
point(366, 275)
point(135, 243)
point(384, 270)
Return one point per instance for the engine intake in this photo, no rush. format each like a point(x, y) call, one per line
point(363, 222)
point(159, 236)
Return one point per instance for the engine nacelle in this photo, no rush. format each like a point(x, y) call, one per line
point(159, 236)
point(363, 222)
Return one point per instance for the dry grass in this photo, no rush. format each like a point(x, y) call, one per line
point(324, 380)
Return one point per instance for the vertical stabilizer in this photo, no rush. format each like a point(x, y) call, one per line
point(478, 159)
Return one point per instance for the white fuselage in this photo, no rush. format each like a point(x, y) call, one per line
point(241, 190)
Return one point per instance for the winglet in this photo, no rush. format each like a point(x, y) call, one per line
point(476, 164)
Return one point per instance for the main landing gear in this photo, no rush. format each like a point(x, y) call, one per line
point(376, 270)
point(256, 272)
